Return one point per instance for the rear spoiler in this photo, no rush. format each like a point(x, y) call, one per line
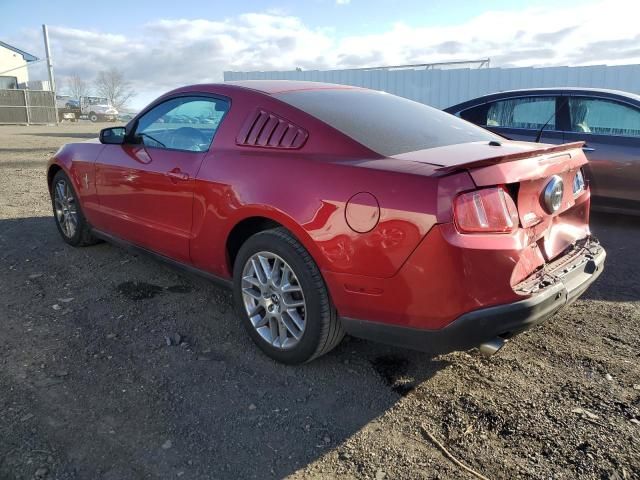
point(485, 162)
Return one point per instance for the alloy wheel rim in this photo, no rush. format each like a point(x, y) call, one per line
point(66, 209)
point(274, 300)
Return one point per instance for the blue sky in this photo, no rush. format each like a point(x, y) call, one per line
point(352, 17)
point(164, 44)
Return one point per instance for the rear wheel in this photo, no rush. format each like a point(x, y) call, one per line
point(93, 117)
point(72, 225)
point(282, 299)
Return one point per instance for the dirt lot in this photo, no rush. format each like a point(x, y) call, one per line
point(91, 389)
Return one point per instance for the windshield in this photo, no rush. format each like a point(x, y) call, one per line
point(97, 101)
point(386, 124)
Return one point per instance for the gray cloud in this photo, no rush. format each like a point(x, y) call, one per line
point(606, 47)
point(534, 55)
point(369, 59)
point(449, 47)
point(552, 37)
point(587, 56)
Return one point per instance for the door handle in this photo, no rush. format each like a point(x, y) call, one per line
point(177, 174)
point(588, 149)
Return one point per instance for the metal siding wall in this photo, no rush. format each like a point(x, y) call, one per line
point(12, 106)
point(27, 106)
point(443, 88)
point(41, 106)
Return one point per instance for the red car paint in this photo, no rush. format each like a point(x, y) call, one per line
point(394, 255)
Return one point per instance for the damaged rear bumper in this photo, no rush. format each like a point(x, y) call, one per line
point(558, 284)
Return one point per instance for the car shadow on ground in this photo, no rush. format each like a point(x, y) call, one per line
point(620, 236)
point(5, 151)
point(117, 366)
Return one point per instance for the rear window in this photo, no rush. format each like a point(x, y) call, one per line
point(384, 123)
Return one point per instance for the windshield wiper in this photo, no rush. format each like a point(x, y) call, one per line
point(552, 117)
point(152, 138)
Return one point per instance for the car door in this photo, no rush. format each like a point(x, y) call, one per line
point(145, 186)
point(611, 130)
point(519, 118)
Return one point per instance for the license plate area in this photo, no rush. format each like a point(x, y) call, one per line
point(578, 256)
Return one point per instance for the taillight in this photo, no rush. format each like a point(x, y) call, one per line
point(489, 210)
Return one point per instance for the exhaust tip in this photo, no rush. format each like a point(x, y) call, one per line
point(492, 346)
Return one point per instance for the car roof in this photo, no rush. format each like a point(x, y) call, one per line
point(574, 90)
point(605, 92)
point(262, 87)
point(272, 87)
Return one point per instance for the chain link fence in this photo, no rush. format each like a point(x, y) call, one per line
point(27, 107)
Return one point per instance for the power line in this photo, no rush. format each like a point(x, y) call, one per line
point(23, 66)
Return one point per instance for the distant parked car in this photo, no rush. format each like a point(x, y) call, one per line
point(608, 121)
point(124, 117)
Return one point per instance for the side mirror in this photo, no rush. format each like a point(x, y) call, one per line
point(113, 135)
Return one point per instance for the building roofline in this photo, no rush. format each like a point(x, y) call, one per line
point(27, 56)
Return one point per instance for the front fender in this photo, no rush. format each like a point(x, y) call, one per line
point(77, 160)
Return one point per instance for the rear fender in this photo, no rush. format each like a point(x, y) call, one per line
point(277, 216)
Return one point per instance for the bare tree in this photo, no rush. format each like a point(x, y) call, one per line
point(112, 85)
point(77, 87)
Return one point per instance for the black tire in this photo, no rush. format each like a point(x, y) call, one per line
point(323, 329)
point(82, 236)
point(93, 117)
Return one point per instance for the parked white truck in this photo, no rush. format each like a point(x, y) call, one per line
point(96, 109)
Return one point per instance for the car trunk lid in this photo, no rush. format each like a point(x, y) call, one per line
point(525, 169)
point(478, 154)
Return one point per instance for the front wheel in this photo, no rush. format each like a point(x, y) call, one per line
point(93, 117)
point(282, 299)
point(72, 225)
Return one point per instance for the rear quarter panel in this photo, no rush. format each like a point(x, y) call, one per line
point(306, 190)
point(309, 197)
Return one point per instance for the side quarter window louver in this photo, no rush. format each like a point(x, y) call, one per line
point(266, 129)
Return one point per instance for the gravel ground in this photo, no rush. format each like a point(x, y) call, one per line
point(115, 366)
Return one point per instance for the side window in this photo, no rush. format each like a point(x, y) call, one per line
point(182, 123)
point(526, 112)
point(603, 117)
point(477, 115)
point(7, 83)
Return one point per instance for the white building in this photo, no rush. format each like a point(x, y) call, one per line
point(13, 66)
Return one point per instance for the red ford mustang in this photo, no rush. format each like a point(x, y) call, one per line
point(333, 209)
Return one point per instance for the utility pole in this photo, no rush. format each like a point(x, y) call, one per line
point(52, 84)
